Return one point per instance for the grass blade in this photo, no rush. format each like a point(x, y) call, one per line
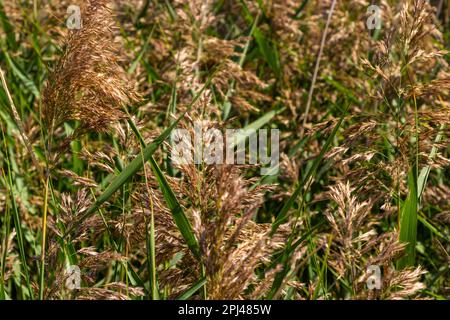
point(179, 217)
point(408, 222)
point(17, 223)
point(177, 212)
point(198, 285)
point(255, 125)
point(28, 83)
point(268, 50)
point(425, 172)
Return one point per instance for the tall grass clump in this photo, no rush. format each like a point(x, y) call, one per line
point(89, 185)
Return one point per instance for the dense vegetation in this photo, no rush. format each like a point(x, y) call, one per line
point(87, 180)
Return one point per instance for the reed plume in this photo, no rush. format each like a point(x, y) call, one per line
point(88, 84)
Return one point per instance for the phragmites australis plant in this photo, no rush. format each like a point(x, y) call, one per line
point(94, 205)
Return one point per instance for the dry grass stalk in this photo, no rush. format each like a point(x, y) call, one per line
point(87, 84)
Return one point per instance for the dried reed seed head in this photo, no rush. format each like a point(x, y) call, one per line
point(111, 291)
point(87, 83)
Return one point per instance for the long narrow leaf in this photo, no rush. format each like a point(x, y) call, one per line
point(179, 217)
point(408, 223)
point(255, 125)
point(199, 284)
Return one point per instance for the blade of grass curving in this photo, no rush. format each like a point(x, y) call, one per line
point(179, 217)
point(268, 50)
point(28, 83)
point(197, 286)
point(170, 10)
point(342, 89)
point(4, 245)
point(255, 125)
point(144, 49)
point(409, 211)
point(421, 183)
point(408, 222)
point(422, 219)
point(425, 172)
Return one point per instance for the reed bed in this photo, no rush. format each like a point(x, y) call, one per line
point(359, 207)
